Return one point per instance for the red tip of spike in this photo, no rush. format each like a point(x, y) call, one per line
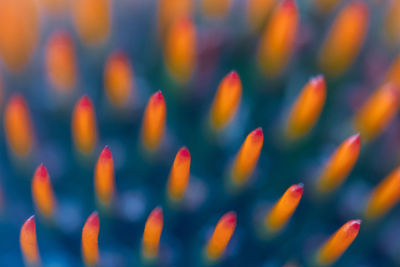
point(157, 213)
point(158, 97)
point(356, 224)
point(257, 134)
point(355, 140)
point(85, 101)
point(106, 153)
point(298, 189)
point(230, 218)
point(93, 219)
point(184, 152)
point(41, 171)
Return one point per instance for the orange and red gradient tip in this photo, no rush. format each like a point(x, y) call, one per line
point(180, 50)
point(84, 128)
point(281, 212)
point(247, 158)
point(118, 79)
point(384, 196)
point(92, 19)
point(179, 175)
point(61, 62)
point(42, 192)
point(104, 179)
point(18, 126)
point(226, 101)
point(338, 243)
point(152, 234)
point(28, 242)
point(90, 235)
point(19, 33)
point(377, 112)
point(153, 123)
point(278, 40)
point(221, 236)
point(339, 165)
point(345, 39)
point(306, 109)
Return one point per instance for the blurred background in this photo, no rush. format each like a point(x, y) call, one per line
point(52, 52)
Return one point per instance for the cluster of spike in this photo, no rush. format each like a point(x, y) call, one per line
point(178, 33)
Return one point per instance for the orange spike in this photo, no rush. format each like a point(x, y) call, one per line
point(61, 62)
point(19, 32)
point(118, 79)
point(42, 192)
point(226, 101)
point(17, 125)
point(84, 129)
point(339, 164)
point(215, 8)
point(247, 157)
point(152, 233)
point(179, 175)
point(326, 6)
point(393, 73)
point(223, 232)
point(171, 11)
point(307, 108)
point(278, 39)
point(154, 121)
point(384, 196)
point(28, 242)
point(257, 13)
point(104, 180)
point(180, 50)
point(377, 112)
point(90, 236)
point(345, 39)
point(338, 243)
point(281, 212)
point(391, 23)
point(92, 20)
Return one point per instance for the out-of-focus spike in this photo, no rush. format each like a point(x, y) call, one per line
point(92, 20)
point(278, 39)
point(18, 127)
point(377, 112)
point(281, 212)
point(104, 180)
point(118, 79)
point(179, 175)
point(84, 129)
point(19, 32)
point(154, 122)
point(171, 11)
point(28, 242)
point(326, 6)
point(61, 62)
point(307, 108)
point(339, 164)
point(215, 8)
point(338, 243)
point(42, 192)
point(257, 13)
point(180, 50)
point(247, 157)
point(90, 235)
point(391, 23)
point(345, 39)
point(226, 101)
point(221, 236)
point(393, 73)
point(384, 196)
point(152, 234)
